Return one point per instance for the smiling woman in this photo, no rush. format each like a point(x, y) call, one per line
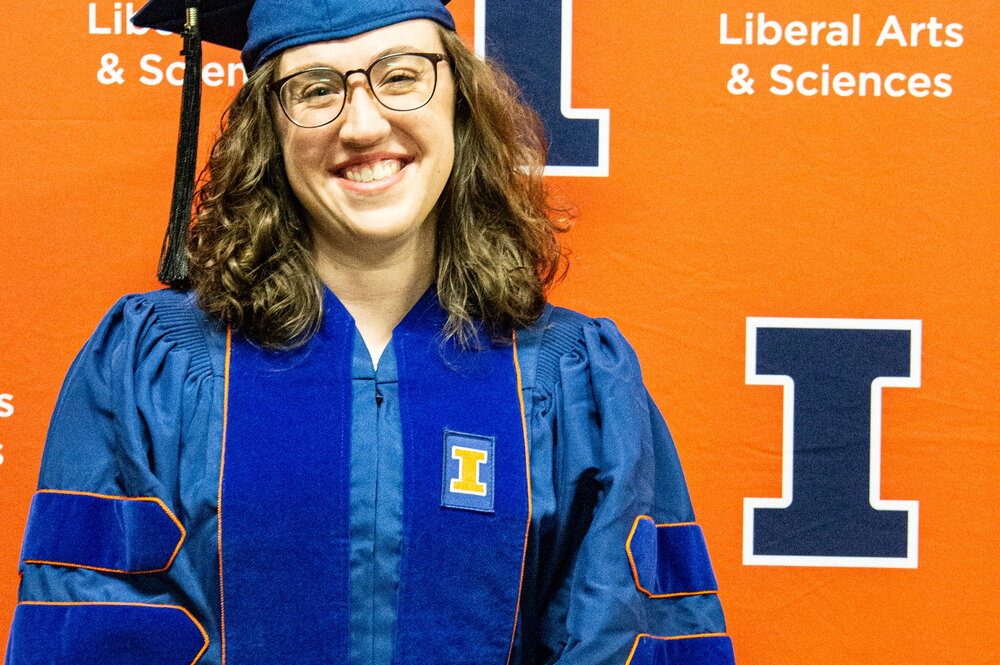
point(355, 432)
point(495, 245)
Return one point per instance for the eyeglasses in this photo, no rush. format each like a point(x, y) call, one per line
point(400, 82)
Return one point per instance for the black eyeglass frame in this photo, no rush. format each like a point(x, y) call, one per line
point(276, 86)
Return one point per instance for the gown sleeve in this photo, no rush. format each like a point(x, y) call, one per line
point(621, 572)
point(125, 504)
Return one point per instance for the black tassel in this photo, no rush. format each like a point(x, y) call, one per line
point(173, 270)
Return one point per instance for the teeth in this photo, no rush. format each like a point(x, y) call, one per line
point(372, 172)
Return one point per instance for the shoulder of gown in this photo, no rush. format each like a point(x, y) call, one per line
point(604, 473)
point(136, 387)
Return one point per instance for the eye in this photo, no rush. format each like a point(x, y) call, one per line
point(399, 77)
point(317, 90)
point(314, 87)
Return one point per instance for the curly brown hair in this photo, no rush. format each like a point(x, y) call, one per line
point(250, 250)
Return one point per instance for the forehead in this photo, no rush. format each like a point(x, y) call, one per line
point(360, 50)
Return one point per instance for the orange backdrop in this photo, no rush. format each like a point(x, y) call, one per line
point(717, 207)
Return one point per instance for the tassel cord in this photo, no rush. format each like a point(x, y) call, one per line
point(173, 268)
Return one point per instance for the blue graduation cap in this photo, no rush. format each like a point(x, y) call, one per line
point(260, 29)
point(266, 27)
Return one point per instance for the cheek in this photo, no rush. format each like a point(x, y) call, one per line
point(447, 129)
point(449, 162)
point(303, 154)
point(449, 140)
point(444, 161)
point(444, 137)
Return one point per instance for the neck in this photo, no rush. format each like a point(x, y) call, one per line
point(378, 282)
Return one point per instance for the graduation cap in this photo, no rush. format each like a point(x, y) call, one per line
point(260, 29)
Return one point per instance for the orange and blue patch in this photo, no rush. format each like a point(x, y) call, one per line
point(467, 481)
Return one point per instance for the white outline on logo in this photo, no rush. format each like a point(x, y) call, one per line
point(603, 116)
point(875, 438)
point(479, 466)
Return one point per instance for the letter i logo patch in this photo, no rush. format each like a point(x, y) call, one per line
point(468, 472)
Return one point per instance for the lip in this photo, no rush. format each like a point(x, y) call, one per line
point(371, 158)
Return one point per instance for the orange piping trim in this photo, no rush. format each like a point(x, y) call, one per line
point(638, 637)
point(155, 500)
point(635, 572)
point(527, 471)
point(197, 624)
point(222, 467)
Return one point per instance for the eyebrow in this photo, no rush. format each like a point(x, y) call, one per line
point(392, 50)
point(400, 48)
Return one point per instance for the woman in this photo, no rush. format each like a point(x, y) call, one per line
point(363, 437)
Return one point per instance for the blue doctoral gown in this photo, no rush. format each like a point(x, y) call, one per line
point(615, 570)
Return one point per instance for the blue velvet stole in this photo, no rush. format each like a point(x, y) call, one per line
point(461, 569)
point(284, 498)
point(284, 539)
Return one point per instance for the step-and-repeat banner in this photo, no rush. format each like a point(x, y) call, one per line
point(788, 207)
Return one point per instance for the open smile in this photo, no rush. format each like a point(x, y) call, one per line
point(372, 171)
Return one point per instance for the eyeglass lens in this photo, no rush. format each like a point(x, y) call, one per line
point(399, 82)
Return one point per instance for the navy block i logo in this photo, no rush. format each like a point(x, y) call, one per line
point(830, 512)
point(468, 472)
point(534, 42)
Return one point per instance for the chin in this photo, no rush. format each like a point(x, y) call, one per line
point(381, 225)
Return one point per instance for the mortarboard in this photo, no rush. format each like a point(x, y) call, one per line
point(263, 28)
point(260, 29)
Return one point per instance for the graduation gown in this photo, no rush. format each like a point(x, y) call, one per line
point(121, 559)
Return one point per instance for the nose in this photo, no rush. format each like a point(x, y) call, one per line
point(364, 121)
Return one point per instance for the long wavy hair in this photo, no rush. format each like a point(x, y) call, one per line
point(250, 251)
